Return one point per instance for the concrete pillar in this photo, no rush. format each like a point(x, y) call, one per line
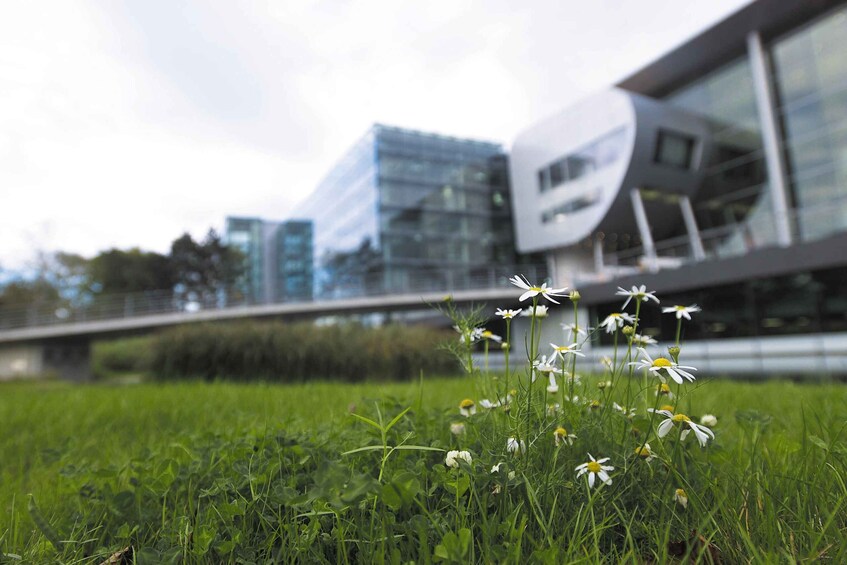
point(643, 228)
point(771, 139)
point(691, 227)
point(598, 254)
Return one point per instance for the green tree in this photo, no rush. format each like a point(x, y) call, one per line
point(202, 269)
point(118, 271)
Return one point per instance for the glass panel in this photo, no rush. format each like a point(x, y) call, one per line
point(811, 78)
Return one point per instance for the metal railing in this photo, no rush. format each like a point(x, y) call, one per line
point(133, 305)
point(809, 223)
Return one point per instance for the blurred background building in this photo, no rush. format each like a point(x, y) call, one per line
point(277, 258)
point(405, 211)
point(716, 175)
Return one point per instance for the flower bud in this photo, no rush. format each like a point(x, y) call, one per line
point(628, 330)
point(574, 296)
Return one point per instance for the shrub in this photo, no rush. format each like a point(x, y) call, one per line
point(121, 356)
point(275, 351)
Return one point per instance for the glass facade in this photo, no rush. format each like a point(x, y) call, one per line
point(810, 70)
point(293, 261)
point(246, 235)
point(596, 155)
point(733, 205)
point(407, 210)
point(809, 75)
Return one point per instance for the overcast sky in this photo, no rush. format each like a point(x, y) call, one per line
point(126, 123)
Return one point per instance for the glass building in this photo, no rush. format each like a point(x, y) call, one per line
point(277, 259)
point(724, 185)
point(405, 211)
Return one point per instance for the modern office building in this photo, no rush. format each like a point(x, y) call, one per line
point(716, 175)
point(277, 258)
point(404, 211)
point(293, 261)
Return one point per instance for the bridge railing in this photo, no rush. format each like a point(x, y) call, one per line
point(133, 305)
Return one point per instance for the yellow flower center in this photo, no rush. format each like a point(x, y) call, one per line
point(642, 451)
point(680, 418)
point(667, 407)
point(680, 493)
point(662, 362)
point(561, 432)
point(536, 288)
point(466, 403)
point(594, 467)
point(594, 404)
point(664, 388)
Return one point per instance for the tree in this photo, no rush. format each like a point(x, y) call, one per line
point(117, 271)
point(201, 270)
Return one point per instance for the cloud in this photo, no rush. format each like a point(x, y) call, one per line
point(125, 123)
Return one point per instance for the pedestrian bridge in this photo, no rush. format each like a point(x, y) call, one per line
point(57, 339)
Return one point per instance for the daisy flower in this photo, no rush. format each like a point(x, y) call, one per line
point(540, 311)
point(490, 336)
point(453, 458)
point(514, 446)
point(664, 389)
point(467, 407)
point(643, 340)
point(616, 320)
point(709, 420)
point(575, 330)
point(521, 281)
point(638, 292)
point(471, 335)
point(680, 498)
point(552, 388)
point(645, 452)
point(561, 436)
point(595, 469)
point(457, 428)
point(662, 366)
point(564, 350)
point(628, 413)
point(507, 314)
point(701, 432)
point(488, 405)
point(545, 365)
point(681, 311)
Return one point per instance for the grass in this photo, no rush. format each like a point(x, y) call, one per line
point(196, 472)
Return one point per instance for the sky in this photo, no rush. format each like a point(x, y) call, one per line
point(125, 123)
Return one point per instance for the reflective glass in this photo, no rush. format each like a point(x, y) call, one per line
point(810, 69)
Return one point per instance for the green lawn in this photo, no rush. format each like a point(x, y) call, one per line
point(59, 440)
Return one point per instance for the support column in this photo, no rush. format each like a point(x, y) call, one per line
point(643, 228)
point(691, 227)
point(774, 156)
point(598, 255)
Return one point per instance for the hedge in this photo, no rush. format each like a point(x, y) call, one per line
point(275, 351)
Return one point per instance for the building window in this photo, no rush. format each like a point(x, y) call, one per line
point(601, 152)
point(674, 149)
point(561, 212)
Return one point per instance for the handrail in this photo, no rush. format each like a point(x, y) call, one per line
point(133, 305)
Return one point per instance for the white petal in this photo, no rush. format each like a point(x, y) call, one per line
point(665, 427)
point(591, 479)
point(528, 294)
point(520, 281)
point(674, 375)
point(702, 438)
point(684, 434)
